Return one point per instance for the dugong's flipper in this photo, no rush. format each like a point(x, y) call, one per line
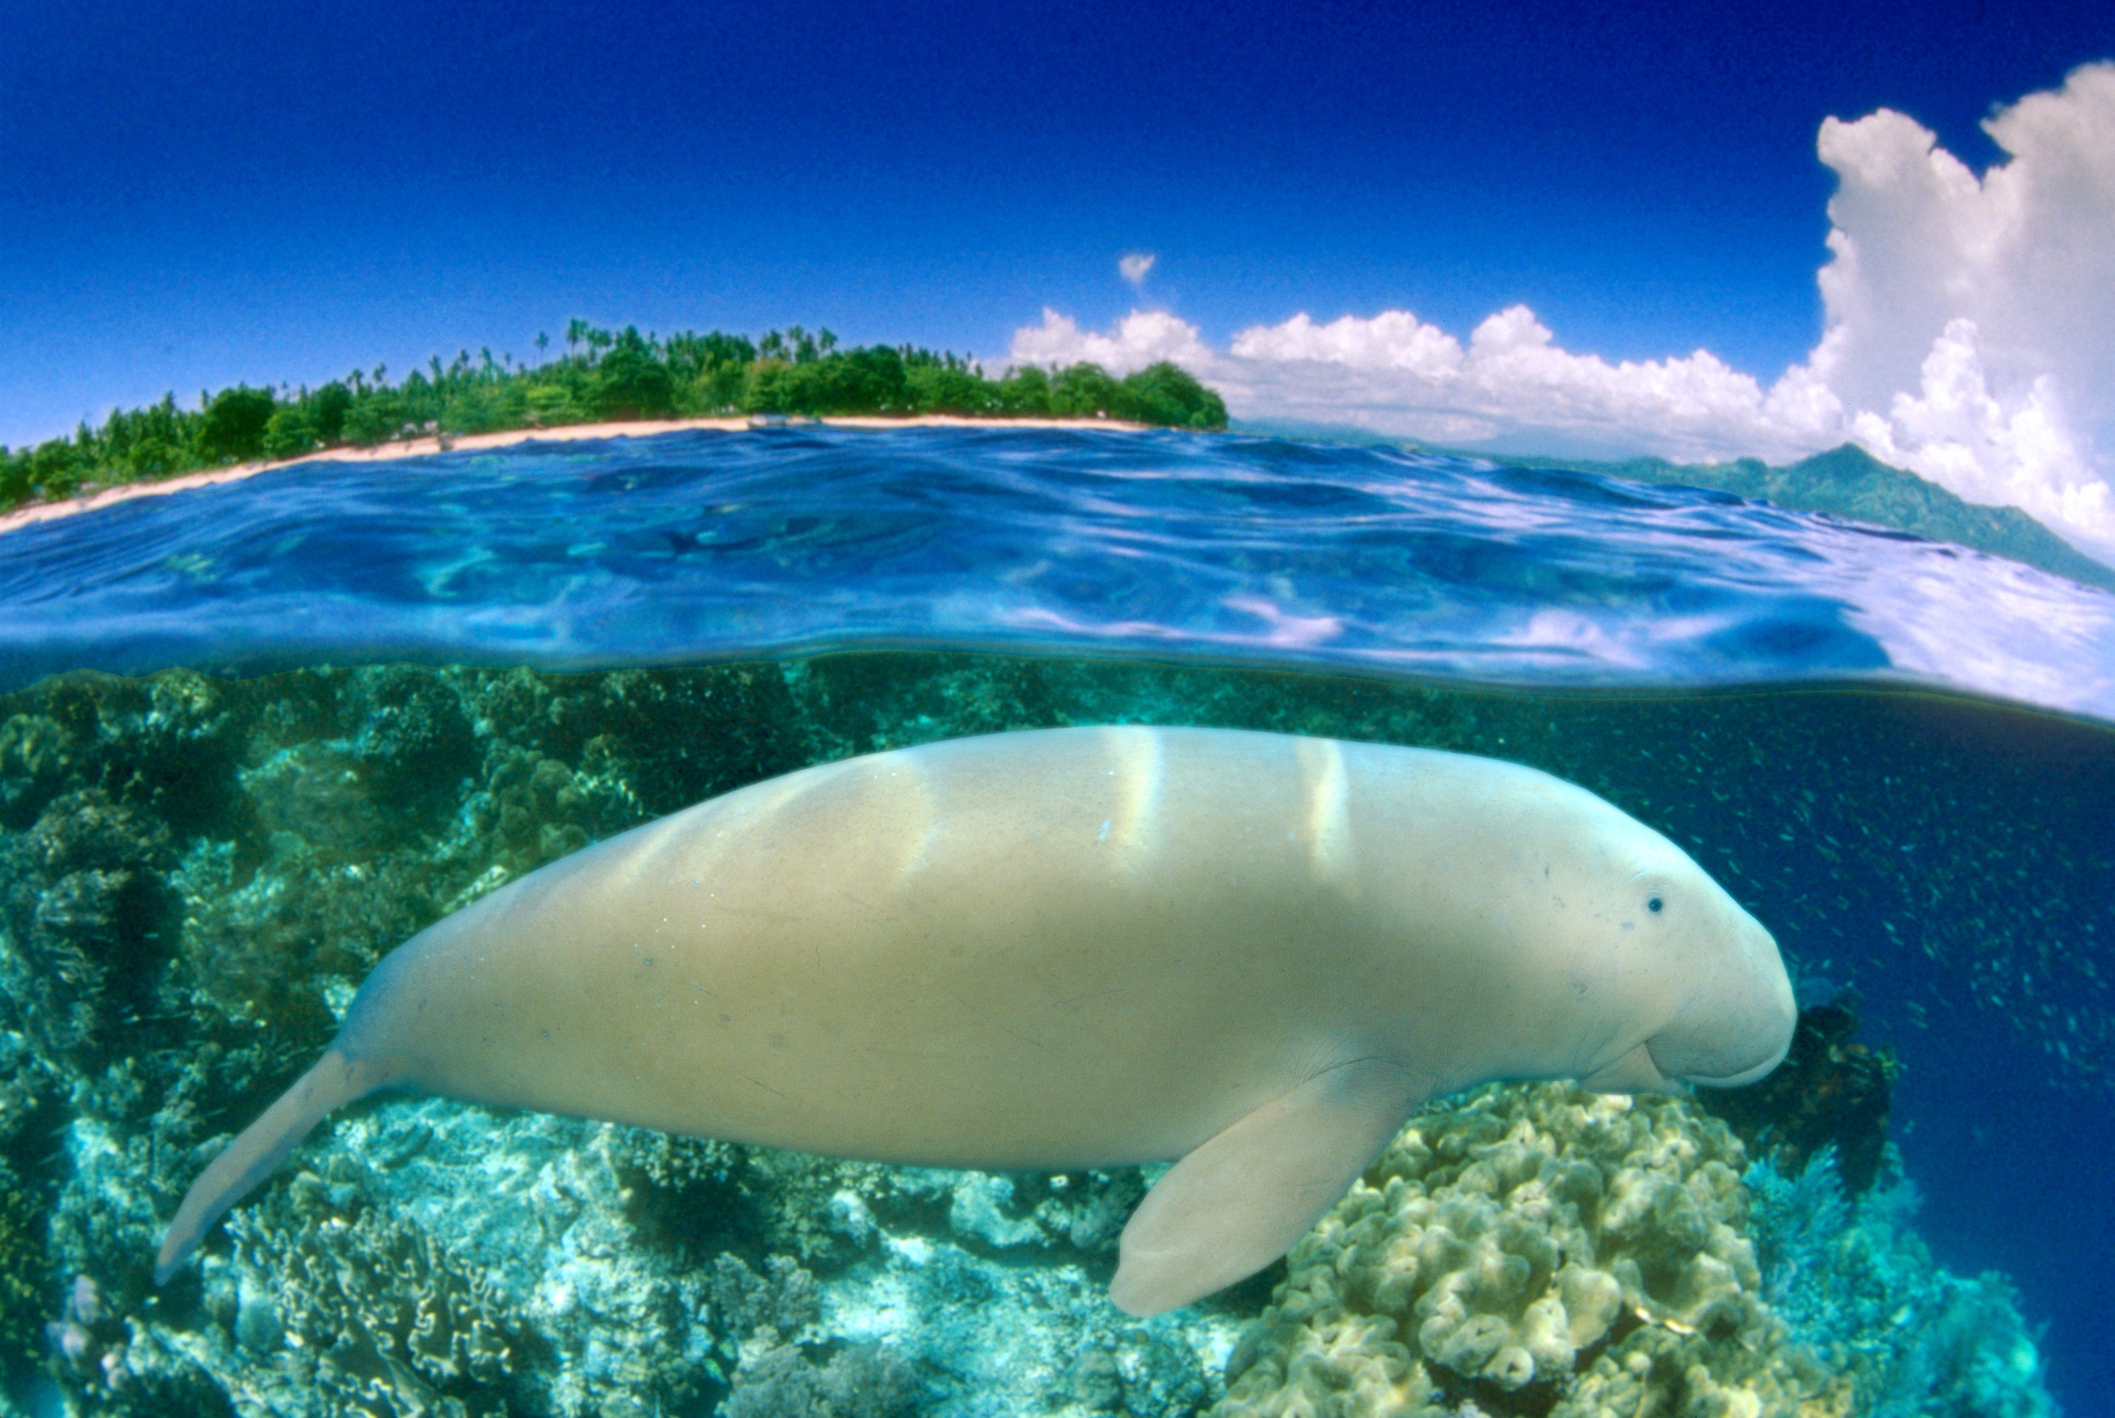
point(1240, 1201)
point(263, 1145)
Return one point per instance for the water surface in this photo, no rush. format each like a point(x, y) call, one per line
point(707, 545)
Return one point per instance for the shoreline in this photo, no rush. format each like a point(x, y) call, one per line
point(480, 442)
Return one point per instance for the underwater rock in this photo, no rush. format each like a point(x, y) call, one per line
point(317, 793)
point(413, 736)
point(671, 737)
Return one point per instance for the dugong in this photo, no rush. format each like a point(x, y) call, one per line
point(1059, 949)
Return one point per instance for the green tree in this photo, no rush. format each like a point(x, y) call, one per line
point(290, 432)
point(768, 387)
point(56, 468)
point(234, 424)
point(949, 389)
point(550, 405)
point(871, 380)
point(1166, 393)
point(1025, 391)
point(15, 477)
point(634, 382)
point(374, 419)
point(327, 408)
point(1085, 390)
point(154, 457)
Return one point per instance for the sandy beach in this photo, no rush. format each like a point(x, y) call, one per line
point(569, 433)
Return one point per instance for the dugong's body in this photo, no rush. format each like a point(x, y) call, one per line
point(1074, 948)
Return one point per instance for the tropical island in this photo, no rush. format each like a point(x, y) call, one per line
point(602, 377)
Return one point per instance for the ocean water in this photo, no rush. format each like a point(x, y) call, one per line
point(356, 696)
point(696, 546)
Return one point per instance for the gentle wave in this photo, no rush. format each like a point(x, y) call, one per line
point(704, 545)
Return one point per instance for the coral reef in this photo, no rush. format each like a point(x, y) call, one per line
point(865, 1381)
point(1852, 1279)
point(196, 873)
point(1831, 1093)
point(86, 917)
point(344, 1308)
point(25, 1272)
point(1535, 1250)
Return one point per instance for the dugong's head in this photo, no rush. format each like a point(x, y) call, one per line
point(1692, 988)
point(1733, 1013)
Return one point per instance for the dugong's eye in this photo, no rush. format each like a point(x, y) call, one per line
point(1654, 904)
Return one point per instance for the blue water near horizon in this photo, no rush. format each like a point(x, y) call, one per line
point(705, 545)
point(695, 546)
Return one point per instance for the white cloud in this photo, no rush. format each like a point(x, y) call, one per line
point(1512, 385)
point(1971, 321)
point(1143, 337)
point(1135, 265)
point(1969, 335)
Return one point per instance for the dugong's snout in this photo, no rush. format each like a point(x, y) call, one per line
point(1738, 1023)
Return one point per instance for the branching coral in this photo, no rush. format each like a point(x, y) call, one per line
point(864, 1381)
point(784, 1299)
point(370, 1313)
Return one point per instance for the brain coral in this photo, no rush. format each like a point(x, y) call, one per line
point(1535, 1250)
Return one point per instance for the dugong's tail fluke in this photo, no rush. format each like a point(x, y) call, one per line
point(257, 1152)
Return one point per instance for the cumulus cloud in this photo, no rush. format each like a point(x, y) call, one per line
point(1969, 335)
point(1971, 321)
point(1511, 385)
point(1143, 337)
point(1135, 265)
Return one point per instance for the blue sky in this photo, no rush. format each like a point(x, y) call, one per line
point(195, 196)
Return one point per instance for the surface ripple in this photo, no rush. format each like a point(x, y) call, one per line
point(708, 545)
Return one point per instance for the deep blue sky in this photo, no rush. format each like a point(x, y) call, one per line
point(193, 196)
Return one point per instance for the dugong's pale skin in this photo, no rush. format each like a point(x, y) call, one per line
point(1074, 948)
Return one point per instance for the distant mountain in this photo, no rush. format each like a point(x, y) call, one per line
point(1844, 482)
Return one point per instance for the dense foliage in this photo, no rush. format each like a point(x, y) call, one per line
point(602, 375)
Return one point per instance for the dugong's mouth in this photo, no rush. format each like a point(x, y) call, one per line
point(1735, 1080)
